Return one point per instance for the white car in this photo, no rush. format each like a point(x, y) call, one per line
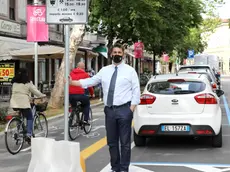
point(178, 105)
point(211, 79)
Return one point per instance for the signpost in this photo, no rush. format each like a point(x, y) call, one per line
point(191, 53)
point(68, 13)
point(37, 31)
point(190, 59)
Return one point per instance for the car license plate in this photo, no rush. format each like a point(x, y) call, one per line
point(175, 128)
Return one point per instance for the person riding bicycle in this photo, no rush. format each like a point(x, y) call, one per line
point(78, 93)
point(20, 98)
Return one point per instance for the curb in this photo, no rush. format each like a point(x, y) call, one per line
point(2, 133)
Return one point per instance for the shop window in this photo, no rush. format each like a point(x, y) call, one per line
point(12, 9)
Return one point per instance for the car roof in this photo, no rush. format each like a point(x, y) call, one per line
point(200, 65)
point(185, 76)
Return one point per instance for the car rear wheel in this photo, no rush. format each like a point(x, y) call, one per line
point(217, 140)
point(139, 140)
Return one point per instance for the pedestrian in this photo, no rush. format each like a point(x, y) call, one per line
point(121, 94)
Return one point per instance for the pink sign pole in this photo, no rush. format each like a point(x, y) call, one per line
point(37, 31)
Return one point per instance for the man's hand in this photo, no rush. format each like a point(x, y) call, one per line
point(70, 80)
point(132, 107)
point(93, 95)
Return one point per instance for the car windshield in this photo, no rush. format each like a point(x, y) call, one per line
point(177, 87)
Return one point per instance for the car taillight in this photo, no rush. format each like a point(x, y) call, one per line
point(147, 99)
point(148, 132)
point(214, 86)
point(205, 99)
point(70, 109)
point(206, 132)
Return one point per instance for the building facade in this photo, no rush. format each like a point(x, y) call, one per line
point(219, 45)
point(13, 36)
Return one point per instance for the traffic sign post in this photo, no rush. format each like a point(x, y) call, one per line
point(191, 53)
point(66, 12)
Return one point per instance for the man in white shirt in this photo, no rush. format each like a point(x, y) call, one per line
point(121, 94)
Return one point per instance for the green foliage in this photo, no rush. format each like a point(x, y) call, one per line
point(3, 114)
point(197, 37)
point(162, 25)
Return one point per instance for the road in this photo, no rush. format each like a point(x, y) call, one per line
point(159, 155)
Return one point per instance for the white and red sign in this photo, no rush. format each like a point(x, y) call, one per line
point(37, 29)
point(139, 50)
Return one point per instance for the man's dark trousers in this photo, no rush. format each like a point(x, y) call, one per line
point(118, 121)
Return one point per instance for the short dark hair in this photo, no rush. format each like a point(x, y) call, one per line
point(117, 45)
point(22, 76)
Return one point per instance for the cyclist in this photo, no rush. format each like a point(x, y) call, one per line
point(20, 98)
point(78, 93)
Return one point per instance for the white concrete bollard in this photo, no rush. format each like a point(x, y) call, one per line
point(40, 154)
point(66, 157)
point(49, 155)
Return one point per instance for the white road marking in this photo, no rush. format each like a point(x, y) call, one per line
point(26, 149)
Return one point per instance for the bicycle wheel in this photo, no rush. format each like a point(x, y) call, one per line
point(14, 132)
point(74, 127)
point(40, 126)
point(88, 128)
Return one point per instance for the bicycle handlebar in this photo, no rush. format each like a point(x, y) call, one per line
point(37, 98)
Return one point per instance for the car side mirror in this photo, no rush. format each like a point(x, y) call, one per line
point(219, 93)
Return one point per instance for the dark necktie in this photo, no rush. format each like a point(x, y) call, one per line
point(112, 88)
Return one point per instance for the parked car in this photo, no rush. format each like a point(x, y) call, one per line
point(178, 105)
point(205, 67)
point(205, 72)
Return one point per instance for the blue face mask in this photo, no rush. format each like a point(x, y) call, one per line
point(117, 58)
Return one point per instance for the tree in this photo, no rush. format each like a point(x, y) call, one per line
point(197, 37)
point(57, 94)
point(166, 33)
point(119, 19)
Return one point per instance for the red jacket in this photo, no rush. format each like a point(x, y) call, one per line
point(77, 74)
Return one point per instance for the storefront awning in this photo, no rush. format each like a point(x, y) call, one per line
point(42, 50)
point(102, 50)
point(21, 49)
point(8, 44)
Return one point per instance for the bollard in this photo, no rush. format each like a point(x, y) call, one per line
point(49, 155)
point(40, 154)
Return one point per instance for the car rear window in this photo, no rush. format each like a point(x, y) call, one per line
point(177, 87)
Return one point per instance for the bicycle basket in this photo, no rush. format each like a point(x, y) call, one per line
point(41, 104)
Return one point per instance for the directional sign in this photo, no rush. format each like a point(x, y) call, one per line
point(66, 11)
point(191, 53)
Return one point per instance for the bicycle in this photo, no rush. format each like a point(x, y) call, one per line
point(17, 123)
point(76, 121)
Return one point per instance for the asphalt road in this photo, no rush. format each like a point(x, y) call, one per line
point(159, 155)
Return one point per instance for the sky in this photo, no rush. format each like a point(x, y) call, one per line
point(224, 11)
